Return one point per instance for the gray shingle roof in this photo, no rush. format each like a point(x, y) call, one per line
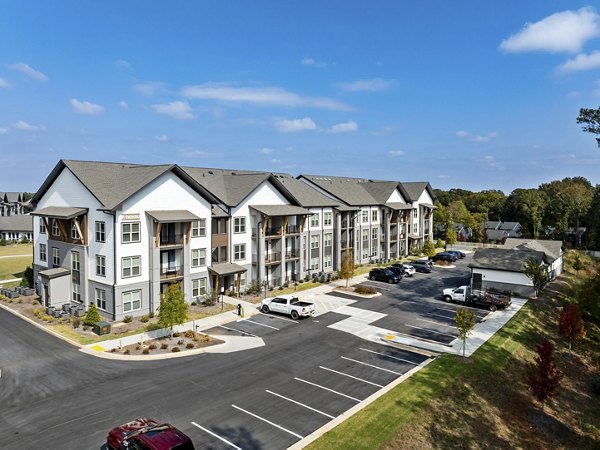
point(305, 194)
point(415, 189)
point(496, 235)
point(504, 259)
point(349, 190)
point(552, 249)
point(280, 210)
point(20, 222)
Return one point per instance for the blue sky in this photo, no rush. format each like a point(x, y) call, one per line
point(470, 94)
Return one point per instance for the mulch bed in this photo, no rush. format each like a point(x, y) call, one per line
point(180, 342)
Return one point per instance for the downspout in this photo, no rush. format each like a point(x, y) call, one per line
point(114, 286)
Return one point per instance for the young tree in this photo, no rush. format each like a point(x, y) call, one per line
point(173, 308)
point(543, 377)
point(92, 315)
point(465, 322)
point(570, 324)
point(428, 248)
point(577, 264)
point(450, 234)
point(347, 268)
point(591, 117)
point(537, 273)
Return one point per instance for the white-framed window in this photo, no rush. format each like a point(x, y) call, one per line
point(314, 220)
point(198, 257)
point(327, 239)
point(75, 261)
point(76, 293)
point(130, 232)
point(315, 241)
point(365, 252)
point(101, 299)
point(327, 218)
point(55, 256)
point(130, 267)
point(74, 234)
point(365, 234)
point(365, 216)
point(374, 233)
point(101, 265)
point(239, 224)
point(415, 213)
point(242, 280)
point(415, 228)
point(239, 252)
point(327, 261)
point(132, 300)
point(199, 287)
point(199, 228)
point(374, 215)
point(42, 226)
point(55, 230)
point(100, 232)
point(43, 252)
point(314, 263)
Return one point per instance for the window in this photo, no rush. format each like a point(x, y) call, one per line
point(130, 267)
point(242, 280)
point(327, 261)
point(314, 242)
point(327, 218)
point(374, 233)
point(55, 230)
point(76, 293)
point(101, 265)
point(131, 232)
point(415, 228)
point(327, 239)
point(314, 220)
point(219, 226)
point(101, 299)
point(365, 216)
point(43, 255)
point(415, 213)
point(75, 261)
point(55, 257)
point(239, 224)
point(365, 235)
point(314, 263)
point(42, 226)
point(198, 257)
point(132, 300)
point(100, 232)
point(74, 234)
point(239, 252)
point(365, 252)
point(374, 215)
point(199, 228)
point(199, 287)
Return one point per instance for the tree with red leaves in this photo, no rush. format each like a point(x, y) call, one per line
point(570, 324)
point(543, 377)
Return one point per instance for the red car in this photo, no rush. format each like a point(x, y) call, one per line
point(147, 434)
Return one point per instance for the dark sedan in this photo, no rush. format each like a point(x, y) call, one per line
point(384, 275)
point(444, 256)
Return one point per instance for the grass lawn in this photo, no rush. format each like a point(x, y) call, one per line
point(16, 249)
point(14, 267)
point(482, 401)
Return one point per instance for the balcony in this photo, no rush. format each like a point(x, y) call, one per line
point(273, 258)
point(292, 254)
point(171, 240)
point(171, 272)
point(292, 229)
point(273, 233)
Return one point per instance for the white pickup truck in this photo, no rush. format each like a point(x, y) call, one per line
point(490, 300)
point(288, 304)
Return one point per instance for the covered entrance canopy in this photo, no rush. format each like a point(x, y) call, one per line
point(222, 271)
point(60, 212)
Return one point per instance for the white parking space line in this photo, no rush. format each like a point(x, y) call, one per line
point(389, 356)
point(280, 318)
point(437, 322)
point(350, 376)
point(217, 436)
point(439, 315)
point(237, 331)
point(261, 324)
point(269, 422)
point(298, 403)
point(371, 365)
point(430, 330)
point(327, 389)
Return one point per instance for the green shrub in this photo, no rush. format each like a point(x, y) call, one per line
point(365, 290)
point(439, 243)
point(76, 322)
point(189, 345)
point(164, 346)
point(92, 315)
point(152, 346)
point(3, 242)
point(428, 248)
point(146, 351)
point(145, 318)
point(189, 334)
point(127, 319)
point(127, 352)
point(175, 349)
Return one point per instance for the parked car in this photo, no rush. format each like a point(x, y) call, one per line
point(288, 304)
point(456, 253)
point(489, 300)
point(407, 270)
point(398, 271)
point(422, 265)
point(147, 434)
point(444, 256)
point(384, 275)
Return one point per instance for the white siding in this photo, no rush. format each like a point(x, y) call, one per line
point(503, 277)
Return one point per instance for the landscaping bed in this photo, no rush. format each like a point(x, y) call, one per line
point(179, 342)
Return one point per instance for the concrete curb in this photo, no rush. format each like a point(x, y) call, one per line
point(356, 408)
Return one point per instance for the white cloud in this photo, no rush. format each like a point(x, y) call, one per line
point(28, 70)
point(312, 62)
point(370, 85)
point(4, 83)
point(396, 152)
point(581, 62)
point(574, 94)
point(163, 138)
point(262, 96)
point(291, 126)
point(193, 153)
point(266, 151)
point(177, 110)
point(149, 88)
point(565, 31)
point(4, 130)
point(276, 161)
point(476, 137)
point(344, 127)
point(21, 125)
point(87, 108)
point(123, 105)
point(493, 163)
point(122, 64)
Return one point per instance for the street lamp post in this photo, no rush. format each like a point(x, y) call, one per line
point(222, 295)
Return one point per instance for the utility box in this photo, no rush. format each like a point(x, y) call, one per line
point(101, 328)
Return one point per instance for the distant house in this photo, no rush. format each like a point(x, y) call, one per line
point(15, 228)
point(553, 250)
point(492, 224)
point(463, 233)
point(11, 203)
point(496, 236)
point(512, 228)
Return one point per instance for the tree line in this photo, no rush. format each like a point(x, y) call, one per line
point(554, 210)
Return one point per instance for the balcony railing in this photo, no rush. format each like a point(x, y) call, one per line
point(273, 232)
point(171, 239)
point(292, 254)
point(292, 229)
point(273, 257)
point(167, 273)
